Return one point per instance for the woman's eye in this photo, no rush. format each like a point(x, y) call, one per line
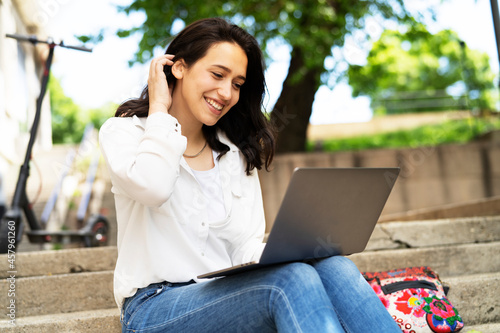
point(237, 86)
point(217, 75)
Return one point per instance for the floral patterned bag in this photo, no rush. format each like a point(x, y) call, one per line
point(416, 299)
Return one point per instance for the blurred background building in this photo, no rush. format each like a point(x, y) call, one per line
point(21, 65)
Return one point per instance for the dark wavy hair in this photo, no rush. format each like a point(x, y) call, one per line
point(245, 124)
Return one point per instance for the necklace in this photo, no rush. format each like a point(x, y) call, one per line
point(195, 155)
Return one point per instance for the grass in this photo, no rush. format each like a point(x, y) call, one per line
point(452, 131)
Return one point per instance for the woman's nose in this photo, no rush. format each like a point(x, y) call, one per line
point(225, 90)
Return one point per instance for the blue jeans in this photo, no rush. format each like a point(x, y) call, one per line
point(328, 295)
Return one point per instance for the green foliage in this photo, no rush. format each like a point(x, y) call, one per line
point(91, 38)
point(67, 122)
point(313, 26)
point(315, 31)
point(97, 116)
point(453, 131)
point(68, 119)
point(413, 71)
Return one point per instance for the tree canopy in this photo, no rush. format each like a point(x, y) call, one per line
point(311, 28)
point(415, 70)
point(313, 25)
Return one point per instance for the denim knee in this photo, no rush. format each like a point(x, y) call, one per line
point(300, 273)
point(299, 299)
point(295, 279)
point(339, 267)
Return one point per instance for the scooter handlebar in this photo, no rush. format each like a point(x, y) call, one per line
point(33, 39)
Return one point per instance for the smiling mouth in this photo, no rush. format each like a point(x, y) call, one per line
point(213, 103)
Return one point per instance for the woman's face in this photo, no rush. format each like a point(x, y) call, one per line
point(208, 89)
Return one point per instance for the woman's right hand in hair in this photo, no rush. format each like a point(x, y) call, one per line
point(160, 96)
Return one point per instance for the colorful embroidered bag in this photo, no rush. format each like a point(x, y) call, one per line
point(416, 299)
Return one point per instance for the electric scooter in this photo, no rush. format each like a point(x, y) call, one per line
point(95, 230)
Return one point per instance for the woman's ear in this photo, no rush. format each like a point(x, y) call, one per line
point(178, 69)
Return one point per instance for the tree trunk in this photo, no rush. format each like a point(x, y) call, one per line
point(293, 108)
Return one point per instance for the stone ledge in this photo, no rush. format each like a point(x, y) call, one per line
point(386, 236)
point(54, 262)
point(105, 320)
point(453, 260)
point(416, 234)
point(61, 293)
point(476, 297)
point(484, 328)
point(481, 207)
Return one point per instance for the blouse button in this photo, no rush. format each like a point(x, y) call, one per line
point(202, 224)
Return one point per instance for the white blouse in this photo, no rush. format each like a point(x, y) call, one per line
point(165, 232)
point(211, 187)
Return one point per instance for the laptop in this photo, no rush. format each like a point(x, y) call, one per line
point(325, 212)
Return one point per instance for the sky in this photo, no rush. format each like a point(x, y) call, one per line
point(94, 79)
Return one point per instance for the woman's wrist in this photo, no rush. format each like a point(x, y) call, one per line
point(157, 107)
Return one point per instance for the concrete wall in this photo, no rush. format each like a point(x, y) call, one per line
point(429, 177)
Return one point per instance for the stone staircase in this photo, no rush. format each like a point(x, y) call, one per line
point(71, 290)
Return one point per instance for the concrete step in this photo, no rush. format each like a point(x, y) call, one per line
point(484, 206)
point(391, 235)
point(71, 290)
point(414, 234)
point(63, 293)
point(107, 320)
point(42, 263)
point(485, 328)
point(90, 290)
point(474, 295)
point(452, 260)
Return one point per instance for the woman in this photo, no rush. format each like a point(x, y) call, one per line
point(182, 160)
